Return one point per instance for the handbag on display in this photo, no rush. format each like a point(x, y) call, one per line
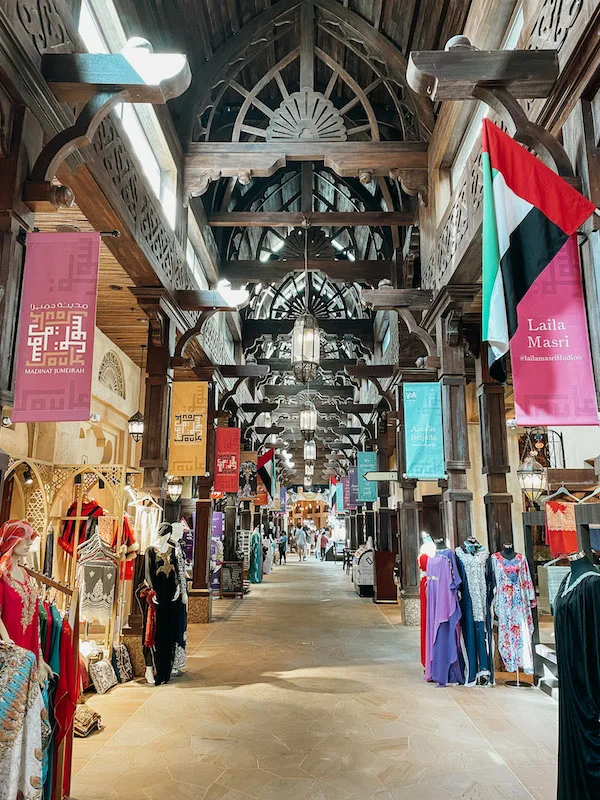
point(103, 676)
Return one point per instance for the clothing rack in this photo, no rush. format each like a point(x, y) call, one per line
point(64, 755)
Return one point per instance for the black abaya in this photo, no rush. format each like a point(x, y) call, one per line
point(161, 571)
point(577, 628)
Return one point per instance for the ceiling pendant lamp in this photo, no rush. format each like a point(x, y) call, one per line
point(310, 451)
point(306, 336)
point(309, 469)
point(308, 421)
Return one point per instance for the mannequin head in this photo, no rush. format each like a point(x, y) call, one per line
point(16, 538)
point(176, 532)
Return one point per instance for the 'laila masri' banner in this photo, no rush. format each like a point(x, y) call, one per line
point(53, 378)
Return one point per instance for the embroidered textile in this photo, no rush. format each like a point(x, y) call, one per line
point(475, 569)
point(122, 663)
point(102, 675)
point(97, 586)
point(19, 607)
point(561, 528)
point(514, 599)
point(21, 725)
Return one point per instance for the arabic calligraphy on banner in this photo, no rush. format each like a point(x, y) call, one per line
point(53, 376)
point(227, 459)
point(189, 409)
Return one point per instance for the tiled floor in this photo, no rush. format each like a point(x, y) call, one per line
point(304, 691)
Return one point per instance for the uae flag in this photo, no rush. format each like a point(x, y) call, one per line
point(529, 217)
point(267, 469)
point(332, 493)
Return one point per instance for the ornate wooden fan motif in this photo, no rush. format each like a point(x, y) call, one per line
point(306, 115)
point(319, 245)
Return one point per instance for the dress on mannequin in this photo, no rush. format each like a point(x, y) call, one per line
point(444, 662)
point(422, 561)
point(577, 629)
point(475, 569)
point(255, 568)
point(182, 602)
point(160, 609)
point(513, 601)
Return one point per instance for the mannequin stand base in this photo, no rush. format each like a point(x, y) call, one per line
point(518, 685)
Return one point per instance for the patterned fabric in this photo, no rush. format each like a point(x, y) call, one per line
point(23, 719)
point(474, 567)
point(11, 533)
point(97, 586)
point(19, 607)
point(103, 676)
point(122, 664)
point(514, 599)
point(561, 528)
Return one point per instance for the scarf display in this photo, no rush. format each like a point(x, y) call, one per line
point(561, 528)
point(11, 533)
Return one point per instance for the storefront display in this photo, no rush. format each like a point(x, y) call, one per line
point(577, 626)
point(255, 557)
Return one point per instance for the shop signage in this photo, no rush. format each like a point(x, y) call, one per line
point(423, 431)
point(283, 500)
point(227, 459)
point(189, 410)
point(346, 491)
point(53, 375)
point(216, 549)
point(550, 350)
point(382, 477)
point(367, 490)
point(353, 488)
point(232, 578)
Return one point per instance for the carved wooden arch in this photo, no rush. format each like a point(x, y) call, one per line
point(210, 83)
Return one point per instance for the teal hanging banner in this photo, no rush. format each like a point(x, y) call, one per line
point(339, 490)
point(367, 490)
point(423, 431)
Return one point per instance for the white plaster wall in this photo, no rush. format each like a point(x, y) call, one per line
point(580, 444)
point(477, 484)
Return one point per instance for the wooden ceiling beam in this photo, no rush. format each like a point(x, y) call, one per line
point(390, 299)
point(328, 219)
point(362, 329)
point(369, 272)
point(326, 364)
point(343, 392)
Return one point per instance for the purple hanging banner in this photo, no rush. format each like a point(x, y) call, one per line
point(216, 549)
point(352, 488)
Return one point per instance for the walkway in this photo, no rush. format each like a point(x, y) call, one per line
point(307, 692)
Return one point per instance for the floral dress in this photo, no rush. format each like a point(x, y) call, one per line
point(514, 599)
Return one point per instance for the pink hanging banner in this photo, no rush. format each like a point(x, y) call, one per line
point(550, 351)
point(53, 378)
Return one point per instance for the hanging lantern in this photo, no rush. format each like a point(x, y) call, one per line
point(174, 488)
point(310, 451)
point(309, 469)
point(135, 424)
point(533, 478)
point(308, 421)
point(307, 482)
point(306, 348)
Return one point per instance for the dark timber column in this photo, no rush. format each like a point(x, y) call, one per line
point(246, 516)
point(159, 376)
point(383, 453)
point(360, 526)
point(353, 538)
point(457, 499)
point(200, 596)
point(230, 539)
point(370, 521)
point(494, 448)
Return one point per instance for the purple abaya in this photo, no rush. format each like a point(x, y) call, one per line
point(444, 661)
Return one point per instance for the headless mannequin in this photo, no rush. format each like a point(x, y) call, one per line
point(175, 540)
point(163, 546)
point(508, 551)
point(580, 565)
point(440, 544)
point(17, 572)
point(471, 545)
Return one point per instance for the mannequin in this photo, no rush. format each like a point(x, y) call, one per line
point(576, 616)
point(255, 556)
point(475, 569)
point(443, 658)
point(440, 544)
point(161, 592)
point(508, 551)
point(180, 647)
point(513, 600)
point(19, 601)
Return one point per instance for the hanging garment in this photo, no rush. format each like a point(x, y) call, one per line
point(53, 659)
point(48, 693)
point(268, 559)
point(422, 562)
point(19, 605)
point(444, 662)
point(181, 609)
point(477, 590)
point(147, 520)
point(561, 528)
point(23, 719)
point(96, 579)
point(129, 548)
point(160, 617)
point(577, 629)
point(255, 568)
point(65, 703)
point(89, 509)
point(49, 554)
point(513, 601)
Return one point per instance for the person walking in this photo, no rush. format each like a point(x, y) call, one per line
point(318, 543)
point(282, 542)
point(324, 543)
point(301, 541)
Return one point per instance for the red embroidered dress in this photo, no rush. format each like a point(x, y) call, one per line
point(19, 608)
